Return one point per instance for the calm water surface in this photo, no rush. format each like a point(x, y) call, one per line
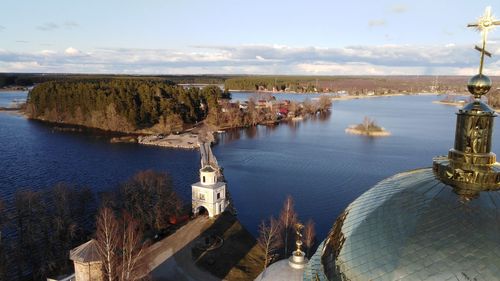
point(314, 160)
point(8, 98)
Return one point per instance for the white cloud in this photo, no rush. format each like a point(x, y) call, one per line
point(399, 9)
point(25, 66)
point(72, 51)
point(376, 22)
point(387, 59)
point(48, 52)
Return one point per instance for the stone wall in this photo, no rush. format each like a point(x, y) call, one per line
point(88, 271)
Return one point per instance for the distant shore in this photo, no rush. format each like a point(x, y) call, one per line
point(13, 89)
point(339, 97)
point(190, 139)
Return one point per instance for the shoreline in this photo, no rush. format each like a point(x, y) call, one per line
point(450, 103)
point(350, 96)
point(13, 89)
point(185, 140)
point(190, 138)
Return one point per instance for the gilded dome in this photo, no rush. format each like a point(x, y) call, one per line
point(412, 226)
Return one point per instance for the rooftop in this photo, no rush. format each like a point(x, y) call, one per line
point(87, 252)
point(208, 169)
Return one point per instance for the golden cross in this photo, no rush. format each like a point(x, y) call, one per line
point(484, 24)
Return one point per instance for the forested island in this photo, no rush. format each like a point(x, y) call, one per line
point(124, 105)
point(145, 106)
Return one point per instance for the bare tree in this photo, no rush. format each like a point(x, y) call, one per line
point(367, 122)
point(149, 197)
point(131, 248)
point(252, 111)
point(269, 239)
point(30, 216)
point(324, 103)
point(309, 236)
point(107, 241)
point(288, 218)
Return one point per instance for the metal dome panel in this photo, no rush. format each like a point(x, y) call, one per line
point(413, 227)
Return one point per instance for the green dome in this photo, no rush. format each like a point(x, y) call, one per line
point(412, 226)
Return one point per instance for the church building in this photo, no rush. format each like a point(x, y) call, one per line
point(209, 194)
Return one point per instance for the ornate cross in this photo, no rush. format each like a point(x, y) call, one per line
point(484, 24)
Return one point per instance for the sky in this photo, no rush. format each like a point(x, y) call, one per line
point(313, 37)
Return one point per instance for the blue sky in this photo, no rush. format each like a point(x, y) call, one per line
point(244, 37)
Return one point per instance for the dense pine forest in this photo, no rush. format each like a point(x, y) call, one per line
point(29, 79)
point(353, 85)
point(125, 105)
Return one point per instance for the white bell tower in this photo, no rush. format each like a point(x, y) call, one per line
point(209, 194)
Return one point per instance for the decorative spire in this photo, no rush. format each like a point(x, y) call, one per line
point(484, 24)
point(298, 239)
point(298, 259)
point(471, 167)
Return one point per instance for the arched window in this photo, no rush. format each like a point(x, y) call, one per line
point(203, 178)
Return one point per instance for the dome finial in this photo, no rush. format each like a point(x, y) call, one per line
point(480, 84)
point(471, 166)
point(298, 258)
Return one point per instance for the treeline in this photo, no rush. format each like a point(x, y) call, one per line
point(279, 83)
point(29, 79)
point(40, 227)
point(353, 85)
point(125, 105)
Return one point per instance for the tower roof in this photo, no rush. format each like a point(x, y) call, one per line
point(208, 169)
point(86, 253)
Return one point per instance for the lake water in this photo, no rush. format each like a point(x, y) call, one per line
point(323, 168)
point(9, 98)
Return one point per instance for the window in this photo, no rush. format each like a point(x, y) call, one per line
point(203, 178)
point(218, 195)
